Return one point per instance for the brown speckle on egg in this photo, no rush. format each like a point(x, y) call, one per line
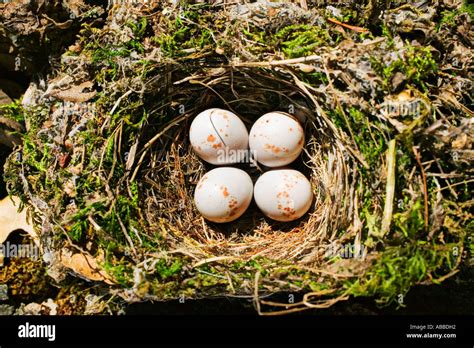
point(287, 211)
point(272, 148)
point(283, 194)
point(225, 193)
point(233, 203)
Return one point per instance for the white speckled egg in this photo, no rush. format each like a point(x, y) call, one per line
point(223, 194)
point(216, 133)
point(276, 139)
point(283, 194)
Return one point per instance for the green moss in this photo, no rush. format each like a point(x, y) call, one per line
point(118, 267)
point(399, 268)
point(185, 33)
point(108, 58)
point(369, 135)
point(254, 264)
point(301, 40)
point(448, 17)
point(386, 31)
point(410, 222)
point(417, 65)
point(470, 238)
point(468, 7)
point(368, 131)
point(13, 111)
point(139, 28)
point(168, 268)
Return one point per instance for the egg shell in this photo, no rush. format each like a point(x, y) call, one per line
point(217, 132)
point(283, 194)
point(276, 139)
point(223, 194)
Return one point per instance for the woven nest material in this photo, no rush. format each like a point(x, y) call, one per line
point(109, 171)
point(173, 171)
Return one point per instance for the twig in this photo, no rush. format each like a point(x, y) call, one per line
point(310, 58)
point(456, 184)
point(117, 103)
point(325, 304)
point(447, 178)
point(127, 237)
point(348, 26)
point(425, 188)
point(303, 305)
point(211, 274)
point(373, 42)
point(213, 259)
point(282, 312)
point(390, 189)
point(446, 276)
point(255, 293)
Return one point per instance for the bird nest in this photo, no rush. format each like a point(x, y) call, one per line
point(171, 171)
point(109, 173)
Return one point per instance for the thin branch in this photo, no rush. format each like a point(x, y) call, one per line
point(390, 189)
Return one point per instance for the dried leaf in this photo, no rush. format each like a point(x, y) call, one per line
point(12, 220)
point(86, 266)
point(460, 142)
point(75, 93)
point(4, 98)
